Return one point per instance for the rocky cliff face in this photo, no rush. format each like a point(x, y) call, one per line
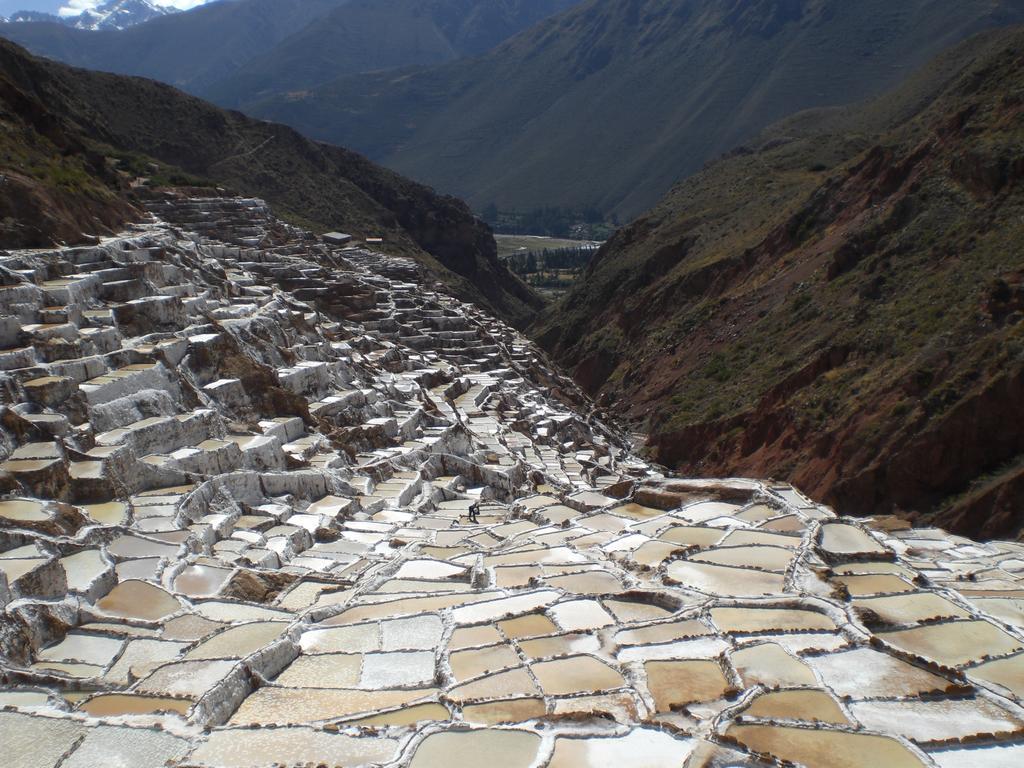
point(322, 186)
point(839, 305)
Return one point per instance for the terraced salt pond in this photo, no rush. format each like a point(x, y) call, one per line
point(251, 546)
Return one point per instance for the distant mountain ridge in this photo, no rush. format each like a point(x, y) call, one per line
point(112, 15)
point(235, 52)
point(610, 103)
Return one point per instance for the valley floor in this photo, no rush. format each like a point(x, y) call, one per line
point(242, 471)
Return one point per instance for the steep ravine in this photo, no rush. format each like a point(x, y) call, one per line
point(839, 305)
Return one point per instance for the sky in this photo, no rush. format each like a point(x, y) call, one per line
point(8, 7)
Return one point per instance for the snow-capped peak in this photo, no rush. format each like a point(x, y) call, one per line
point(113, 14)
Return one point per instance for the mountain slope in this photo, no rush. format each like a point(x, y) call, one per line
point(189, 50)
point(73, 119)
point(611, 102)
point(840, 305)
point(368, 35)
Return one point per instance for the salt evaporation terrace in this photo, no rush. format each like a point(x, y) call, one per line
point(238, 469)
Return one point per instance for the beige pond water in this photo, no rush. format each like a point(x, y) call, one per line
point(29, 552)
point(954, 643)
point(28, 465)
point(725, 581)
point(468, 637)
point(190, 627)
point(592, 499)
point(911, 608)
point(508, 711)
point(605, 522)
point(752, 620)
point(1008, 673)
point(497, 609)
point(444, 553)
point(23, 510)
point(502, 685)
point(117, 704)
point(254, 748)
point(407, 587)
point(654, 553)
point(429, 569)
point(629, 611)
point(577, 674)
point(769, 665)
point(548, 556)
point(689, 536)
point(536, 502)
point(534, 625)
point(323, 671)
point(743, 538)
point(124, 547)
point(878, 584)
point(417, 713)
point(765, 557)
point(469, 749)
point(304, 705)
point(138, 600)
point(588, 583)
point(407, 606)
point(140, 657)
point(358, 638)
point(84, 648)
point(1009, 610)
point(825, 749)
point(806, 705)
point(678, 683)
point(185, 678)
point(201, 580)
point(757, 513)
point(866, 673)
point(639, 749)
point(853, 569)
point(637, 511)
point(143, 569)
point(111, 513)
point(936, 721)
point(843, 539)
point(662, 633)
point(475, 662)
point(239, 642)
point(24, 699)
point(69, 669)
point(560, 645)
point(14, 569)
point(576, 615)
point(785, 524)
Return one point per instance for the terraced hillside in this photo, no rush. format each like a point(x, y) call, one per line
point(77, 140)
point(838, 304)
point(271, 503)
